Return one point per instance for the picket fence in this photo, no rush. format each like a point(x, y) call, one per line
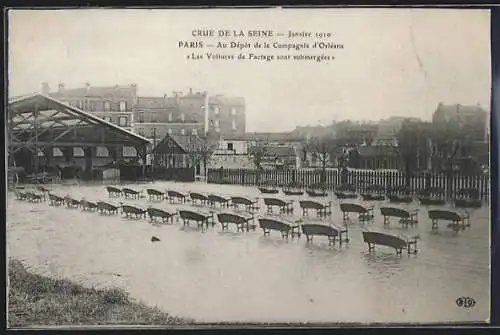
point(359, 179)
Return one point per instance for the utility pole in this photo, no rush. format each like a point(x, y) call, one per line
point(153, 155)
point(418, 149)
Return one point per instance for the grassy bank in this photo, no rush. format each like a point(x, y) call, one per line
point(36, 300)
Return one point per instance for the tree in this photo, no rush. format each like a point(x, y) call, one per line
point(257, 153)
point(200, 150)
point(353, 158)
point(324, 149)
point(450, 146)
point(412, 143)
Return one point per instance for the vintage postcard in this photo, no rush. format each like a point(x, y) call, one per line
point(179, 167)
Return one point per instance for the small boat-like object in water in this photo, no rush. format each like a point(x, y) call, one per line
point(468, 198)
point(268, 190)
point(400, 195)
point(432, 196)
point(316, 193)
point(373, 193)
point(292, 189)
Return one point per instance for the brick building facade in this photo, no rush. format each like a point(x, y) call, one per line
point(178, 114)
point(226, 115)
point(115, 104)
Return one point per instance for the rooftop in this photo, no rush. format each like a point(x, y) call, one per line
point(96, 91)
point(265, 137)
point(151, 102)
point(60, 124)
point(186, 143)
point(223, 100)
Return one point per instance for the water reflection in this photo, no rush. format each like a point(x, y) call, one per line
point(215, 275)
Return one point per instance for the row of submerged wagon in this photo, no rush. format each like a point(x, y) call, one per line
point(228, 212)
point(286, 206)
point(464, 198)
point(458, 220)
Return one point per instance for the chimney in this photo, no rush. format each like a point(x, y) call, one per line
point(134, 93)
point(87, 87)
point(165, 97)
point(190, 91)
point(45, 88)
point(61, 87)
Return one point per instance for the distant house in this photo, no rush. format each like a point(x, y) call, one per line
point(181, 151)
point(283, 151)
point(233, 146)
point(355, 133)
point(388, 129)
point(379, 157)
point(285, 156)
point(472, 121)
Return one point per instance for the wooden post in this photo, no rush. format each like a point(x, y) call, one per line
point(35, 126)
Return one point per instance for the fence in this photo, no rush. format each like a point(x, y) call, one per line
point(359, 179)
point(177, 174)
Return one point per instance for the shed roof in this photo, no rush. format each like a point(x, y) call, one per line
point(59, 124)
point(181, 144)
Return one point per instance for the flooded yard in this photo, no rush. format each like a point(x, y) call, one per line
point(234, 276)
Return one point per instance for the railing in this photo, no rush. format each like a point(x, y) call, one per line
point(360, 180)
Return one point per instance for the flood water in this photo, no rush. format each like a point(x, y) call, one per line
point(234, 276)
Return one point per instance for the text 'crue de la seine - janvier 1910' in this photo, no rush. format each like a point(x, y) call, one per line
point(260, 46)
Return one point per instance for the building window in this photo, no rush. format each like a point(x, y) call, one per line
point(169, 131)
point(92, 105)
point(78, 152)
point(183, 118)
point(123, 106)
point(233, 111)
point(216, 123)
point(153, 132)
point(106, 118)
point(230, 146)
point(140, 131)
point(216, 110)
point(79, 104)
point(102, 152)
point(233, 125)
point(107, 106)
point(154, 117)
point(56, 152)
point(169, 117)
point(217, 129)
point(122, 121)
point(183, 132)
point(129, 152)
point(141, 117)
point(194, 132)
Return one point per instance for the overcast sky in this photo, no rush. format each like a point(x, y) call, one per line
point(394, 61)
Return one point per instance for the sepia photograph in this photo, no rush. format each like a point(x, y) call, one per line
point(248, 166)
